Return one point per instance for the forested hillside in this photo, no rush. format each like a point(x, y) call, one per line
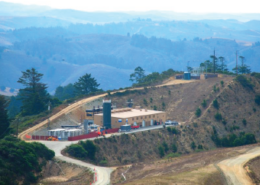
point(111, 45)
point(108, 57)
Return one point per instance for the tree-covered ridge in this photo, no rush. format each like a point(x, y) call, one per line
point(140, 79)
point(84, 86)
point(20, 161)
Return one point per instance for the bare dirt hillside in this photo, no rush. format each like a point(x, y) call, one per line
point(253, 169)
point(179, 101)
point(235, 104)
point(61, 173)
point(237, 107)
point(193, 169)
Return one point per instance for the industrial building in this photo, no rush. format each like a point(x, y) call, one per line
point(118, 117)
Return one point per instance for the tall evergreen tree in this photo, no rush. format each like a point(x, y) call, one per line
point(138, 75)
point(86, 84)
point(222, 66)
point(34, 96)
point(243, 68)
point(4, 121)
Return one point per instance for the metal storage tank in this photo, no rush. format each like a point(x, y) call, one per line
point(186, 76)
point(107, 114)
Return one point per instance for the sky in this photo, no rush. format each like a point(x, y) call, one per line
point(185, 6)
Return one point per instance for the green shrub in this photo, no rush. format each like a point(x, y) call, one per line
point(200, 147)
point(244, 82)
point(161, 151)
point(193, 145)
point(257, 99)
point(232, 139)
point(77, 151)
point(195, 125)
point(204, 103)
point(216, 104)
point(145, 102)
point(165, 146)
point(218, 116)
point(90, 147)
point(174, 130)
point(103, 162)
point(198, 112)
point(163, 106)
point(172, 155)
point(244, 122)
point(222, 83)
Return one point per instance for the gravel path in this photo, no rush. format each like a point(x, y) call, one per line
point(233, 168)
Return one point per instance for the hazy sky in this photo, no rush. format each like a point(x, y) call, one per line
point(198, 6)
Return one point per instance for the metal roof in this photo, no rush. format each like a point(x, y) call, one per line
point(133, 113)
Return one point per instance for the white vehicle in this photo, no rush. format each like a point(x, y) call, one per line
point(169, 122)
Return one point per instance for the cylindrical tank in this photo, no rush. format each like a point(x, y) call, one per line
point(86, 126)
point(143, 123)
point(107, 113)
point(186, 76)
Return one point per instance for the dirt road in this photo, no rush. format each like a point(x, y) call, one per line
point(103, 173)
point(233, 168)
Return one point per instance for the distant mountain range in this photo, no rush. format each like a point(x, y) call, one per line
point(65, 44)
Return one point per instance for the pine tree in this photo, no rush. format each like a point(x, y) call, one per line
point(34, 96)
point(86, 84)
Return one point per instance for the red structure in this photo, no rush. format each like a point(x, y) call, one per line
point(41, 137)
point(92, 134)
point(135, 127)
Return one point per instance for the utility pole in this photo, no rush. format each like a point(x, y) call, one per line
point(49, 108)
point(236, 63)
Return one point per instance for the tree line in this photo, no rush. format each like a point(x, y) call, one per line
point(218, 64)
point(34, 98)
point(139, 78)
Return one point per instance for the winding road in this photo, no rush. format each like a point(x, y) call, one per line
point(233, 168)
point(103, 173)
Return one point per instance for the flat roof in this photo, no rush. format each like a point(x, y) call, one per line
point(132, 113)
